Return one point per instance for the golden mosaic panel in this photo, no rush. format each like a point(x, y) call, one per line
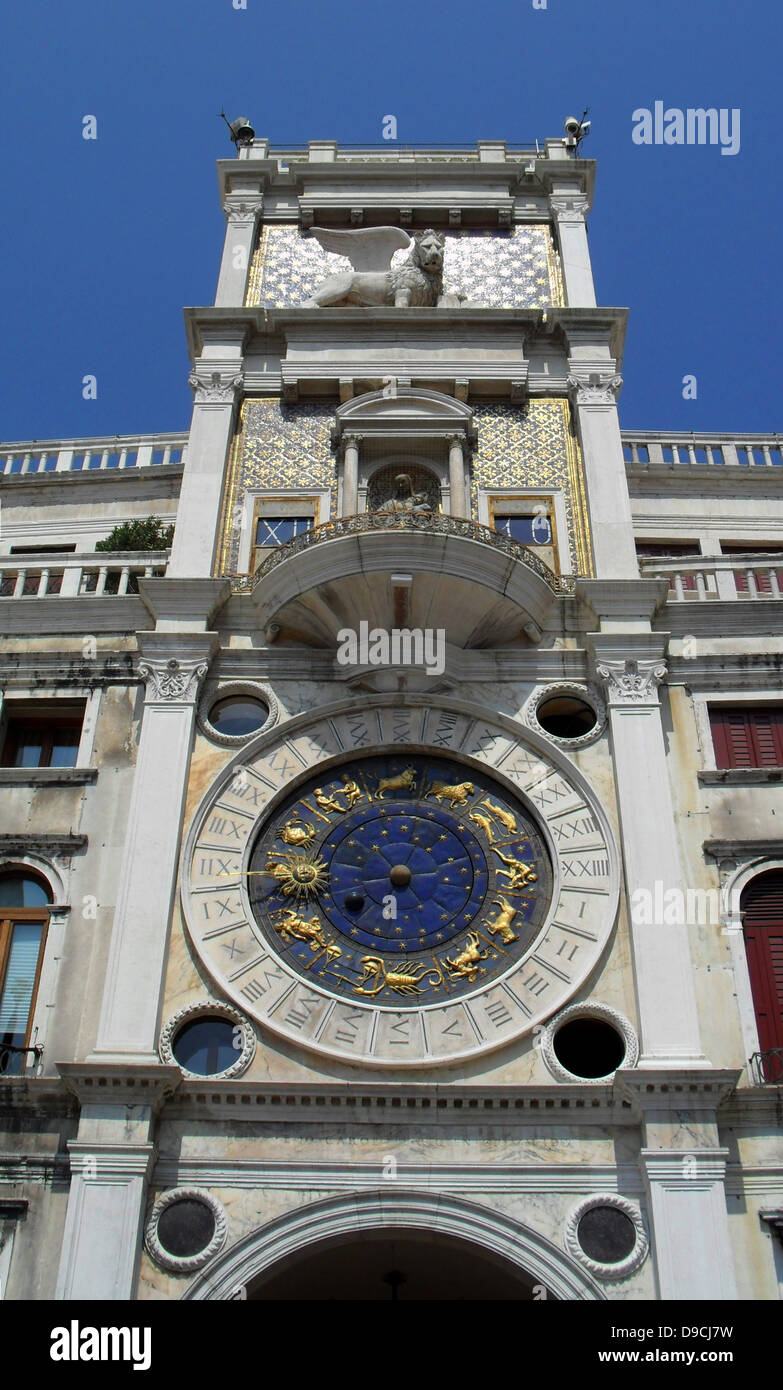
point(530, 446)
point(276, 446)
point(514, 269)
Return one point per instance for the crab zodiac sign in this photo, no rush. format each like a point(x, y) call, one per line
point(373, 280)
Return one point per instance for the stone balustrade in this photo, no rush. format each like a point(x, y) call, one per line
point(702, 578)
point(662, 449)
point(93, 455)
point(48, 574)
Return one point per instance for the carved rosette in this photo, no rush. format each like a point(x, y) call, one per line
point(172, 681)
point(632, 682)
point(595, 388)
point(215, 388)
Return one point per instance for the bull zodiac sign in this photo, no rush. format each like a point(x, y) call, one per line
point(403, 781)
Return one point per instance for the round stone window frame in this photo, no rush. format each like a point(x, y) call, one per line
point(588, 1009)
point(588, 694)
point(622, 1269)
point(223, 691)
point(208, 1009)
point(185, 1264)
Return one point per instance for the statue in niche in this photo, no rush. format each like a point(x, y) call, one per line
point(404, 498)
point(417, 283)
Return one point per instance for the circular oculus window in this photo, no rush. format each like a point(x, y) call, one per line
point(236, 711)
point(606, 1234)
point(588, 1042)
point(208, 1040)
point(187, 1226)
point(570, 715)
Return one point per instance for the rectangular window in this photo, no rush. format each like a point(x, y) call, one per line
point(42, 734)
point(747, 736)
point(761, 572)
point(21, 941)
point(530, 529)
point(276, 530)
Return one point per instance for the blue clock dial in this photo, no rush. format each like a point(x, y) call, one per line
point(400, 878)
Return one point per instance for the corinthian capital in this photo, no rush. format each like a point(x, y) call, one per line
point(241, 211)
point(172, 681)
point(569, 207)
point(595, 388)
point(215, 388)
point(631, 682)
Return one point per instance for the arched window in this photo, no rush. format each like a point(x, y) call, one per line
point(24, 918)
point(761, 906)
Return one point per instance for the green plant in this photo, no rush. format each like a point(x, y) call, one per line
point(147, 533)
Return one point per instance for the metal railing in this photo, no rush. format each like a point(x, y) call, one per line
point(93, 455)
point(667, 449)
point(45, 575)
point(420, 522)
point(13, 1060)
point(766, 1068)
point(704, 578)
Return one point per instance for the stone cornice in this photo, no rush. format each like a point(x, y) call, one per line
point(186, 602)
point(47, 776)
point(119, 1083)
point(668, 1089)
point(26, 843)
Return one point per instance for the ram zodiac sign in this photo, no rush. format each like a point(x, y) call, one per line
point(455, 793)
point(417, 282)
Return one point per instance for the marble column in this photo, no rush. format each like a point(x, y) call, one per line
point(568, 211)
point(457, 475)
point(351, 474)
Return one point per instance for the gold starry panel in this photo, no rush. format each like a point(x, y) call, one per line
point(514, 269)
point(531, 446)
point(276, 446)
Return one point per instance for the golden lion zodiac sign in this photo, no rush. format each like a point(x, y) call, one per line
point(407, 981)
point(502, 923)
point(465, 966)
point(403, 781)
point(455, 793)
point(296, 928)
point(518, 873)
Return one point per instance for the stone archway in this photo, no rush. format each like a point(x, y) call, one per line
point(396, 1223)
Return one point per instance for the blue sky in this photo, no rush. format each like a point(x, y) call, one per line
point(106, 240)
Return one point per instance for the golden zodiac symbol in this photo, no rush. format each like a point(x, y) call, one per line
point(299, 877)
point(328, 803)
point(352, 792)
point(456, 793)
point(517, 873)
point(502, 923)
point(501, 814)
point(407, 981)
point(299, 833)
point(465, 966)
point(403, 781)
point(485, 824)
point(296, 928)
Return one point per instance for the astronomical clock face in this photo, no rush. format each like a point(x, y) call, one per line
point(399, 908)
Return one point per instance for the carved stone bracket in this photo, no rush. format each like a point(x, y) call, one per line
point(595, 388)
point(172, 681)
point(241, 212)
point(632, 682)
point(215, 388)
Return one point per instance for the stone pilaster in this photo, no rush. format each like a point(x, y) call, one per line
point(242, 209)
point(594, 394)
point(569, 210)
point(668, 1020)
point(173, 668)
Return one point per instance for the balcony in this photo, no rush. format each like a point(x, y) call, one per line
point(652, 450)
point(704, 578)
point(111, 574)
point(404, 570)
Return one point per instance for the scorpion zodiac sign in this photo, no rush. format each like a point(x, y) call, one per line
point(406, 981)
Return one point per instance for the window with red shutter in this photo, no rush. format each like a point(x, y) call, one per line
point(762, 909)
point(747, 735)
